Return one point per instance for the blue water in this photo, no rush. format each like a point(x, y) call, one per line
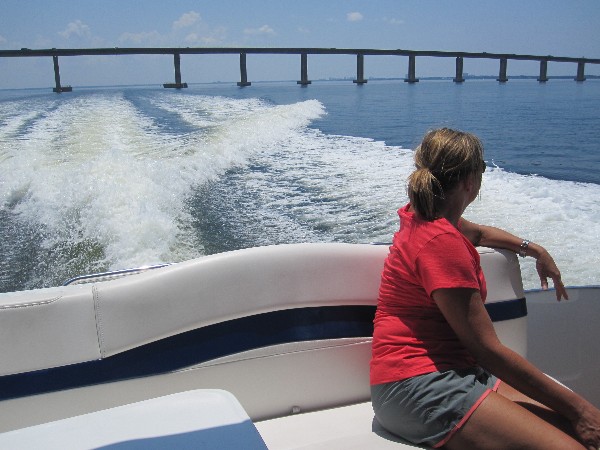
point(110, 178)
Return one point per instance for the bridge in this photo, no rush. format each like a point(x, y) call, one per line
point(360, 54)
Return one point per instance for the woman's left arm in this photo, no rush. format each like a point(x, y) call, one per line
point(495, 237)
point(464, 311)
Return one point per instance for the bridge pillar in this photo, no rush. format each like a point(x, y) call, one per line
point(502, 78)
point(304, 81)
point(58, 88)
point(56, 75)
point(243, 72)
point(459, 70)
point(543, 71)
point(580, 71)
point(360, 69)
point(178, 84)
point(411, 70)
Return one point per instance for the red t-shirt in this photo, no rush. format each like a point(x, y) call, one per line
point(411, 335)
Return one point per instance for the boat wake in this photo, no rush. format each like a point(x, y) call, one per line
point(115, 179)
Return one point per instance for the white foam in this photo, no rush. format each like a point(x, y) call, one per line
point(351, 187)
point(563, 216)
point(95, 169)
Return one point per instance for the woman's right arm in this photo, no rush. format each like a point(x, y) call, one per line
point(497, 238)
point(464, 311)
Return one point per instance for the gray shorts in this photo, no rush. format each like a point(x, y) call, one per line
point(428, 409)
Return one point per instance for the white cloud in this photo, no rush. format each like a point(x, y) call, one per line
point(214, 37)
point(303, 30)
point(145, 37)
point(76, 28)
point(186, 20)
point(192, 38)
point(354, 17)
point(393, 21)
point(195, 38)
point(265, 29)
point(2, 39)
point(198, 34)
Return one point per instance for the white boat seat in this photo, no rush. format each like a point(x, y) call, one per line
point(352, 427)
point(65, 325)
point(203, 418)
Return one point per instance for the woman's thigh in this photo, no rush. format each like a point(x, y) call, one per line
point(501, 423)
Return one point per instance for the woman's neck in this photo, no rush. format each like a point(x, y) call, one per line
point(454, 206)
point(459, 198)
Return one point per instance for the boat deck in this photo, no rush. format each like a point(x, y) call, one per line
point(347, 427)
point(211, 419)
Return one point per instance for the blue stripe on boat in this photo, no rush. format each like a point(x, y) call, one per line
point(507, 310)
point(215, 341)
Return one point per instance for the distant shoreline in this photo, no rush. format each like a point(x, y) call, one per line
point(467, 77)
point(322, 80)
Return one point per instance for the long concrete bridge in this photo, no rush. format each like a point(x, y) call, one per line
point(360, 54)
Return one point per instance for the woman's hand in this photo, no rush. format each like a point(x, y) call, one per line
point(587, 428)
point(546, 268)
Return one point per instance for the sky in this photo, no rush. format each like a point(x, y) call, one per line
point(537, 27)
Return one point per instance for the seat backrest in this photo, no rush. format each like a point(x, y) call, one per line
point(506, 298)
point(59, 326)
point(285, 328)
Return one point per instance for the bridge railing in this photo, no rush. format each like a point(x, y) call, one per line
point(304, 52)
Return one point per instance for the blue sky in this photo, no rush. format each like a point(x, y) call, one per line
point(559, 28)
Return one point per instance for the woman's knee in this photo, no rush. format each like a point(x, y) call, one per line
point(500, 423)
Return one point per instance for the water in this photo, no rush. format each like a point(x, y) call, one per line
point(110, 178)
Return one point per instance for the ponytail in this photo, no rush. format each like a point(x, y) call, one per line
point(425, 191)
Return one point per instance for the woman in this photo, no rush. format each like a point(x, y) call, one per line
point(437, 362)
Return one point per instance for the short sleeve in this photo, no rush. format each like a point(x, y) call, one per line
point(445, 262)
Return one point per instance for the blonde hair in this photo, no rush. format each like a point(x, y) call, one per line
point(443, 158)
